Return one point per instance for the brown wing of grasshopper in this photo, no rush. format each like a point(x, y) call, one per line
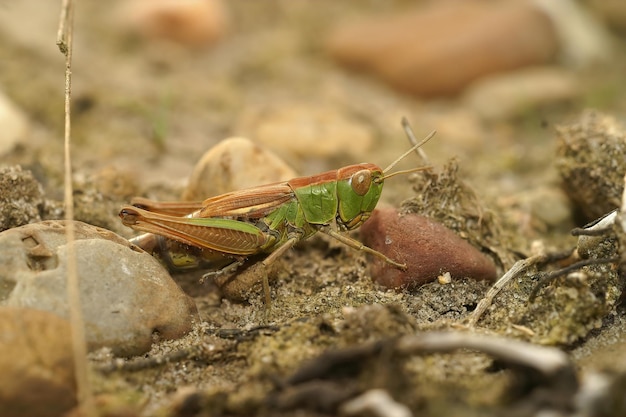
point(218, 234)
point(173, 208)
point(252, 203)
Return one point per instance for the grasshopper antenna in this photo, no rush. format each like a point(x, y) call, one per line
point(414, 142)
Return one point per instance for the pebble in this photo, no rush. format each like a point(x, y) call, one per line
point(428, 248)
point(309, 131)
point(194, 23)
point(505, 96)
point(14, 125)
point(117, 183)
point(441, 48)
point(127, 296)
point(21, 197)
point(36, 365)
point(591, 162)
point(584, 40)
point(235, 164)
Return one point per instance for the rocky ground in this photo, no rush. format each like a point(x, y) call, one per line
point(529, 146)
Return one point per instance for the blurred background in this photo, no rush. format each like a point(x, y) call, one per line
point(322, 84)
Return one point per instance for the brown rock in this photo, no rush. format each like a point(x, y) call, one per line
point(36, 365)
point(440, 49)
point(427, 248)
point(191, 22)
point(299, 130)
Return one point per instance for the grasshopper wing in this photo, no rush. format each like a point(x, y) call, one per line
point(173, 208)
point(223, 235)
point(251, 203)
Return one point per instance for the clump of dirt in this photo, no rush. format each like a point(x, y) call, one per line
point(21, 198)
point(447, 199)
point(590, 159)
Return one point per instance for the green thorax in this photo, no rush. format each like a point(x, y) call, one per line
point(347, 195)
point(287, 219)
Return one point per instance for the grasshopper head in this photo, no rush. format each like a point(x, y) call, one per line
point(358, 190)
point(359, 186)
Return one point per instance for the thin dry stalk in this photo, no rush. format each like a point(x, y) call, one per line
point(518, 268)
point(79, 345)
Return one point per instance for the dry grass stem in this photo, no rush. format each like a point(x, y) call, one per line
point(79, 345)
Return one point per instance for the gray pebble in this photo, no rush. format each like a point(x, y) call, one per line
point(127, 296)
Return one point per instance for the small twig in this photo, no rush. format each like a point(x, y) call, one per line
point(144, 363)
point(337, 361)
point(64, 33)
point(598, 227)
point(549, 369)
point(517, 269)
point(140, 364)
point(547, 360)
point(549, 277)
point(581, 231)
point(241, 335)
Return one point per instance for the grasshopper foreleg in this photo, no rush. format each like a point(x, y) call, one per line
point(355, 244)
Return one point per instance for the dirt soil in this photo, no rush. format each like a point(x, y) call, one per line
point(143, 115)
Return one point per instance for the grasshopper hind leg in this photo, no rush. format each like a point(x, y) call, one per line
point(235, 283)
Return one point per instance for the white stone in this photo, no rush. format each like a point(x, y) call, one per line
point(14, 125)
point(503, 96)
point(235, 164)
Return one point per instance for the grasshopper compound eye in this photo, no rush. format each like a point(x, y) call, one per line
point(361, 181)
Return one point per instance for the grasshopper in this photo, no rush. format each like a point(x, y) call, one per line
point(223, 231)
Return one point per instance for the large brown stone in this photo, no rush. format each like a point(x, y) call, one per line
point(36, 365)
point(439, 49)
point(428, 249)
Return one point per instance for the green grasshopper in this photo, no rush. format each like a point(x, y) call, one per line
point(223, 231)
